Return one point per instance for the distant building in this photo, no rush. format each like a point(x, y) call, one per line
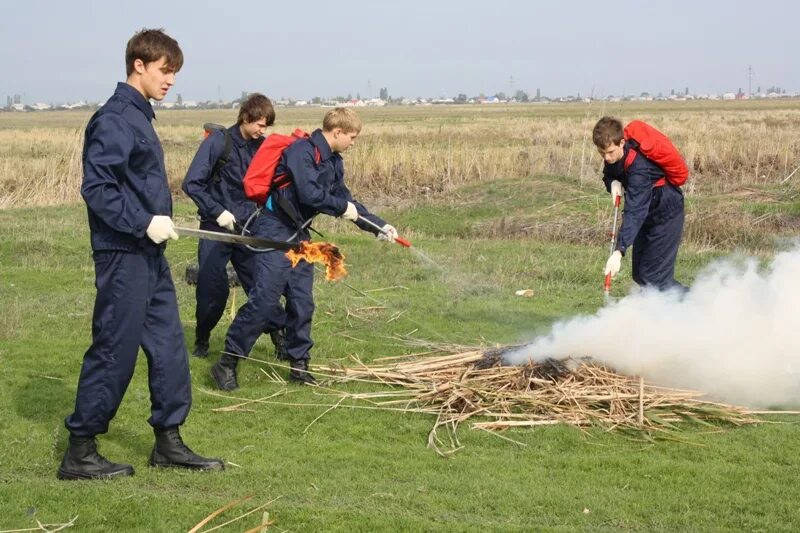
point(354, 102)
point(77, 105)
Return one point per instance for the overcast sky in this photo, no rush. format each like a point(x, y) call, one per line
point(67, 51)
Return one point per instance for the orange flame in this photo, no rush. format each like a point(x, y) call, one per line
point(320, 252)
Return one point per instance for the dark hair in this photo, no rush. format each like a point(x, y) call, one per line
point(606, 132)
point(151, 45)
point(255, 107)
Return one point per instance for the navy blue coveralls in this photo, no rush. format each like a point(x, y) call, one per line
point(124, 186)
point(652, 221)
point(213, 196)
point(314, 188)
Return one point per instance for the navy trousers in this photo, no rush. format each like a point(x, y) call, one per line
point(212, 278)
point(135, 306)
point(263, 311)
point(655, 247)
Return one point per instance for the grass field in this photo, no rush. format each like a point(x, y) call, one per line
point(357, 470)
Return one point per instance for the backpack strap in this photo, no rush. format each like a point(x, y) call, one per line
point(283, 181)
point(632, 156)
point(224, 158)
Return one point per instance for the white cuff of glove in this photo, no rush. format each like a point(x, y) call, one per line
point(227, 220)
point(613, 264)
point(160, 229)
point(389, 233)
point(616, 190)
point(351, 213)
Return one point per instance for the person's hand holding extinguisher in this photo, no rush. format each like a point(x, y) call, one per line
point(616, 190)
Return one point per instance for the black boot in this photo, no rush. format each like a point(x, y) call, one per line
point(279, 340)
point(171, 451)
point(200, 344)
point(299, 372)
point(224, 373)
point(81, 461)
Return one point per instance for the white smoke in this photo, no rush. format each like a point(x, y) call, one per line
point(735, 335)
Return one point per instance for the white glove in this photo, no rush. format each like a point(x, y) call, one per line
point(616, 190)
point(613, 264)
point(227, 220)
point(161, 228)
point(351, 213)
point(389, 233)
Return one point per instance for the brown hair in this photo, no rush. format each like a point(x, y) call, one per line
point(255, 107)
point(151, 45)
point(343, 118)
point(606, 132)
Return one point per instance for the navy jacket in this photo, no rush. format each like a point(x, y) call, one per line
point(124, 178)
point(317, 188)
point(213, 197)
point(644, 204)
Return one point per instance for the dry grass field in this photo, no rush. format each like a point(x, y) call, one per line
point(744, 155)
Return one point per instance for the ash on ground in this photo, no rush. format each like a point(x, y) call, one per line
point(548, 368)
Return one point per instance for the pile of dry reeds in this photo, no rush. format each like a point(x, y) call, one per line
point(475, 385)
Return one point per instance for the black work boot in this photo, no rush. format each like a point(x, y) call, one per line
point(224, 373)
point(171, 451)
point(200, 344)
point(279, 340)
point(81, 461)
point(299, 372)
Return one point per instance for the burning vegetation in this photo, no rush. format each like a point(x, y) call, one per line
point(476, 385)
point(320, 252)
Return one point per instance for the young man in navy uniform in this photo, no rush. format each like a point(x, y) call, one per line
point(214, 183)
point(653, 218)
point(315, 172)
point(130, 208)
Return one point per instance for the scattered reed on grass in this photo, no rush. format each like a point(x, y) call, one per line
point(475, 385)
point(455, 385)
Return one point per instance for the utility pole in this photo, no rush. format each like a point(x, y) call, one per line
point(749, 81)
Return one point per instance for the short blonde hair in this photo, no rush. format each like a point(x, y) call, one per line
point(343, 118)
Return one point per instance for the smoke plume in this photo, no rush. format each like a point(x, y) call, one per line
point(735, 335)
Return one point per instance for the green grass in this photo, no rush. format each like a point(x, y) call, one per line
point(355, 470)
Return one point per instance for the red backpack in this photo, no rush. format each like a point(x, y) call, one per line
point(656, 147)
point(260, 178)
